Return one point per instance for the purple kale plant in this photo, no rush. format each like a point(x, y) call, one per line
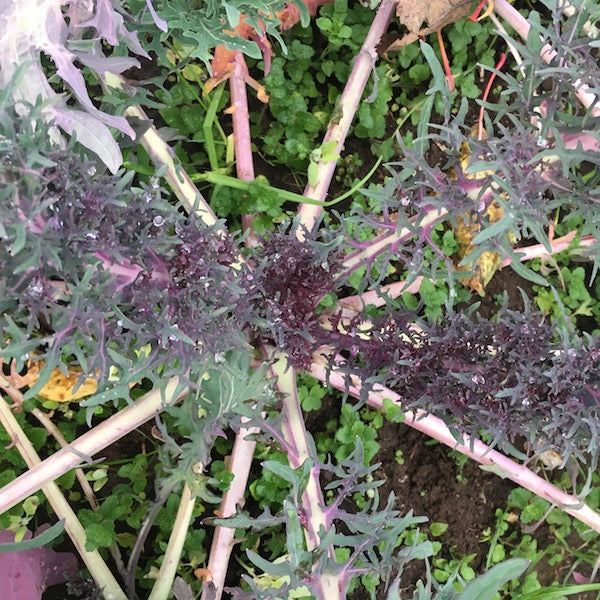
point(536, 160)
point(292, 278)
point(103, 271)
point(517, 378)
point(98, 271)
point(366, 541)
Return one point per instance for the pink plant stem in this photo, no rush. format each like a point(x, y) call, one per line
point(328, 585)
point(388, 241)
point(486, 93)
point(240, 462)
point(92, 559)
point(522, 27)
point(473, 448)
point(244, 163)
point(377, 298)
point(346, 107)
point(179, 181)
point(88, 444)
point(393, 290)
point(242, 454)
point(557, 245)
point(241, 121)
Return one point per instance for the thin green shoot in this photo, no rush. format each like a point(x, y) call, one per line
point(238, 184)
point(207, 127)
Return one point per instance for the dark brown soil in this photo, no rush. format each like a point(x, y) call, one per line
point(430, 483)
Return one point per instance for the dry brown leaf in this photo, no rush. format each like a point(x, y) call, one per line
point(487, 264)
point(467, 227)
point(436, 13)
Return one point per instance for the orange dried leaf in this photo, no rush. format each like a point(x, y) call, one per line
point(205, 574)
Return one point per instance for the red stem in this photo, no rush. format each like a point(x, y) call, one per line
point(445, 61)
point(475, 14)
point(486, 93)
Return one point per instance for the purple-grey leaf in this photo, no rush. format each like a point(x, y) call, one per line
point(130, 38)
point(63, 59)
point(92, 134)
point(103, 22)
point(114, 64)
point(160, 23)
point(182, 590)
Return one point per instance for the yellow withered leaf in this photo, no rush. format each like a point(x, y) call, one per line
point(61, 387)
point(467, 227)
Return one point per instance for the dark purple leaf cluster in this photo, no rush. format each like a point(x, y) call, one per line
point(510, 378)
point(292, 276)
point(94, 269)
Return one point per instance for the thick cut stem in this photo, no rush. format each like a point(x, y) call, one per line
point(241, 121)
point(242, 142)
point(393, 290)
point(328, 586)
point(240, 462)
point(176, 176)
point(473, 448)
point(55, 432)
point(346, 107)
point(84, 447)
point(295, 435)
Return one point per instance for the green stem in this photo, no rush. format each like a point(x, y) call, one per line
point(168, 569)
point(142, 170)
point(211, 113)
point(207, 127)
point(238, 184)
